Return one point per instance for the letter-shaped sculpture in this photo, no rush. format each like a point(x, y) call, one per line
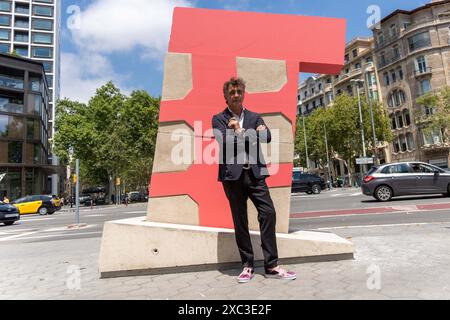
point(206, 48)
point(188, 220)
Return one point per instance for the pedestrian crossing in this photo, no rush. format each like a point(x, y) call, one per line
point(11, 234)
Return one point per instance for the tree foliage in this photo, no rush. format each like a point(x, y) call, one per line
point(438, 118)
point(113, 135)
point(342, 124)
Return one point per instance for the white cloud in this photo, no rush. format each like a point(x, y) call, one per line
point(124, 25)
point(82, 74)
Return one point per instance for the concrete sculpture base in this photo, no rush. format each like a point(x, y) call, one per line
point(137, 247)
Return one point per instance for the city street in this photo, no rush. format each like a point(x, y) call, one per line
point(43, 259)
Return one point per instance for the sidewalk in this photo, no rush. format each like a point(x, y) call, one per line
point(394, 262)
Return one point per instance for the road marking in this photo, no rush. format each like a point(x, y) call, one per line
point(383, 225)
point(36, 218)
point(130, 212)
point(17, 236)
point(356, 194)
point(51, 236)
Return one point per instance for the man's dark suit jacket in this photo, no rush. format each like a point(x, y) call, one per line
point(230, 169)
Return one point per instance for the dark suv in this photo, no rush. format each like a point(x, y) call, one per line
point(309, 183)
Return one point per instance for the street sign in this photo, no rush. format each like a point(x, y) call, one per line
point(364, 160)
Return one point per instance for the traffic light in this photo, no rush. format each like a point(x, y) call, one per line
point(74, 177)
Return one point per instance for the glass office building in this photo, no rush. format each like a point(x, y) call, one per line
point(25, 164)
point(30, 28)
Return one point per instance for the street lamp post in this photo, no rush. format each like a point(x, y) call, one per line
point(330, 185)
point(373, 124)
point(357, 81)
point(306, 144)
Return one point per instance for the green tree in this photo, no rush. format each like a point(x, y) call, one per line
point(438, 116)
point(342, 123)
point(112, 135)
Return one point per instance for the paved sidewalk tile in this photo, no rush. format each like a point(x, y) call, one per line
point(405, 262)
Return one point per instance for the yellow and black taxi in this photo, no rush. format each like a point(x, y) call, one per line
point(42, 204)
point(8, 213)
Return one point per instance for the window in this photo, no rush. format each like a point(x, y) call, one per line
point(382, 59)
point(15, 127)
point(21, 22)
point(396, 146)
point(4, 34)
point(328, 80)
point(419, 40)
point(400, 73)
point(43, 11)
point(48, 68)
point(433, 137)
point(41, 24)
point(15, 152)
point(397, 168)
point(428, 111)
point(41, 52)
point(396, 52)
point(347, 58)
point(403, 145)
point(347, 70)
point(44, 1)
point(369, 59)
point(5, 6)
point(21, 36)
point(321, 102)
point(4, 48)
point(355, 53)
point(407, 117)
point(5, 20)
point(381, 39)
point(320, 86)
point(425, 86)
point(396, 98)
point(399, 119)
point(22, 8)
point(35, 84)
point(358, 66)
point(12, 104)
point(421, 64)
point(393, 122)
point(49, 81)
point(393, 30)
point(22, 51)
point(422, 168)
point(393, 76)
point(44, 38)
point(386, 78)
point(410, 141)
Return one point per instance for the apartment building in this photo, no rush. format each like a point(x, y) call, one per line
point(412, 54)
point(321, 90)
point(30, 28)
point(24, 128)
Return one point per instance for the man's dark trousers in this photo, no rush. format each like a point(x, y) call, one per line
point(238, 192)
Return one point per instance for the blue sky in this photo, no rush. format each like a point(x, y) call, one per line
point(95, 47)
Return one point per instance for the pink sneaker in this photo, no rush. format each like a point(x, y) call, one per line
point(246, 275)
point(280, 273)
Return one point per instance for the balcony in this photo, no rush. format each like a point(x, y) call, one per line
point(423, 72)
point(388, 61)
point(10, 82)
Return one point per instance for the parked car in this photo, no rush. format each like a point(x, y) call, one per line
point(42, 204)
point(8, 213)
point(305, 182)
point(136, 196)
point(85, 199)
point(405, 178)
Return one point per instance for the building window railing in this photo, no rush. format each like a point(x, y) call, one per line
point(10, 82)
point(422, 71)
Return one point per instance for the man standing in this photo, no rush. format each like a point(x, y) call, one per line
point(242, 173)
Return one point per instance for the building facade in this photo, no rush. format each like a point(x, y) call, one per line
point(25, 165)
point(321, 90)
point(30, 28)
point(412, 53)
